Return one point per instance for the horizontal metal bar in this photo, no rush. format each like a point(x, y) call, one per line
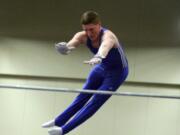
point(151, 95)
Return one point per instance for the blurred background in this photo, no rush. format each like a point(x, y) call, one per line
point(150, 33)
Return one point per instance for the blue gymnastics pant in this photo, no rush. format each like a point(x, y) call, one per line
point(85, 105)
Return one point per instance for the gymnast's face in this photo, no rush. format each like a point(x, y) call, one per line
point(92, 31)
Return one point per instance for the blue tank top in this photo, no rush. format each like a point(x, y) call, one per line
point(115, 59)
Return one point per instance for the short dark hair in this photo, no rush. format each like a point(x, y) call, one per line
point(90, 17)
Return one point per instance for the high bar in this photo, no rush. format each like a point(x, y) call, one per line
point(100, 92)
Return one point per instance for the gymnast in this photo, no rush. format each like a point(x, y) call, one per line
point(110, 70)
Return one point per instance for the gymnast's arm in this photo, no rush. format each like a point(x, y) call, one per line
point(108, 42)
point(78, 38)
point(66, 47)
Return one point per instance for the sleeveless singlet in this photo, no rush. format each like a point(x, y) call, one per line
point(115, 59)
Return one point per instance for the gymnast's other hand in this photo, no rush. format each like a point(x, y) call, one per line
point(94, 61)
point(63, 48)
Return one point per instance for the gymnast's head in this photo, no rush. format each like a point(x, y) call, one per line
point(91, 24)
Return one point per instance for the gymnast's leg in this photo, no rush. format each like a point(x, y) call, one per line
point(112, 82)
point(93, 82)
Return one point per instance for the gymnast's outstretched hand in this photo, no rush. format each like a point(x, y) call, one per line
point(63, 48)
point(95, 60)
